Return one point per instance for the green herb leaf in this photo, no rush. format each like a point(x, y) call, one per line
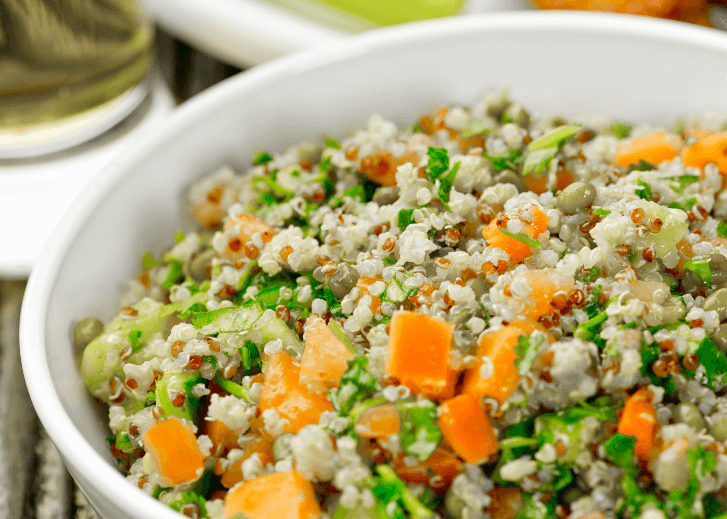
point(701, 268)
point(148, 261)
point(620, 449)
point(261, 157)
point(644, 191)
point(123, 442)
point(527, 350)
point(134, 336)
point(356, 385)
point(684, 181)
point(416, 508)
point(521, 237)
point(445, 185)
point(191, 497)
point(404, 219)
point(419, 434)
point(510, 160)
point(179, 237)
point(535, 509)
point(621, 130)
point(232, 319)
point(438, 163)
point(267, 199)
point(332, 143)
point(601, 212)
point(642, 165)
point(593, 273)
point(537, 161)
point(713, 365)
point(274, 186)
point(684, 206)
point(555, 138)
point(722, 229)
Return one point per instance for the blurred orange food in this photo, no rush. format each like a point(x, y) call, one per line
point(692, 11)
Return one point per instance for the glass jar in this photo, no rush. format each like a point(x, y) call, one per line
point(69, 71)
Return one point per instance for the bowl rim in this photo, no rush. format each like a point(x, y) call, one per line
point(34, 313)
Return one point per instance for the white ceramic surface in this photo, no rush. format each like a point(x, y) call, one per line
point(37, 193)
point(250, 32)
point(568, 63)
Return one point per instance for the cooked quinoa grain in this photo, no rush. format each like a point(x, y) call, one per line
point(487, 314)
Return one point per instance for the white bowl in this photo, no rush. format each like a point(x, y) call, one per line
point(250, 32)
point(636, 69)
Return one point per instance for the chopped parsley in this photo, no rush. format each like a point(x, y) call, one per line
point(621, 130)
point(356, 385)
point(251, 361)
point(134, 336)
point(438, 163)
point(684, 206)
point(404, 219)
point(644, 191)
point(601, 212)
point(722, 229)
point(419, 434)
point(332, 143)
point(593, 273)
point(511, 159)
point(445, 185)
point(620, 449)
point(701, 268)
point(642, 165)
point(261, 157)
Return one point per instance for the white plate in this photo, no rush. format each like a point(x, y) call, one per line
point(34, 195)
point(250, 32)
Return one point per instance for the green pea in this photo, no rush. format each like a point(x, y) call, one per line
point(342, 281)
point(510, 177)
point(576, 197)
point(719, 337)
point(198, 266)
point(718, 430)
point(386, 195)
point(718, 266)
point(478, 287)
point(86, 331)
point(688, 413)
point(717, 301)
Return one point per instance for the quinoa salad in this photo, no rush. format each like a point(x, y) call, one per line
point(489, 313)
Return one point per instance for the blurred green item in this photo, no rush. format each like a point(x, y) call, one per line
point(384, 12)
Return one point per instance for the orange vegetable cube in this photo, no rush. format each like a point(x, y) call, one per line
point(418, 354)
point(249, 225)
point(437, 471)
point(283, 391)
point(174, 452)
point(324, 358)
point(467, 429)
point(282, 495)
point(379, 422)
point(534, 221)
point(654, 148)
point(638, 419)
point(262, 447)
point(220, 435)
point(711, 148)
point(499, 346)
point(544, 284)
point(363, 284)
